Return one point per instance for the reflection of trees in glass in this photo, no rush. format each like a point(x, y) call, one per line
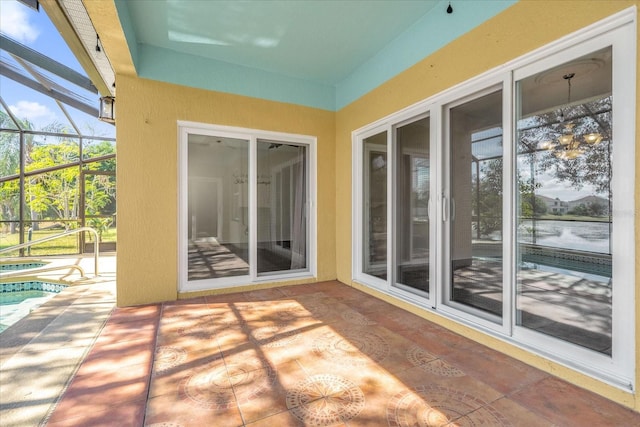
point(591, 168)
point(420, 187)
point(590, 209)
point(530, 204)
point(486, 197)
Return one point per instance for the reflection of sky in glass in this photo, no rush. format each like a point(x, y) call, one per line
point(421, 174)
point(549, 186)
point(593, 115)
point(487, 143)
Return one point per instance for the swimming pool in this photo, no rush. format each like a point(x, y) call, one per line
point(15, 265)
point(18, 299)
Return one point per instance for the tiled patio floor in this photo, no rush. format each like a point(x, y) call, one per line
point(309, 355)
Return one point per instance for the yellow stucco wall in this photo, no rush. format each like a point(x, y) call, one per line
point(147, 136)
point(525, 26)
point(147, 175)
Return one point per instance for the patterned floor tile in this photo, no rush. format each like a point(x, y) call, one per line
point(566, 404)
point(313, 355)
point(325, 400)
point(170, 410)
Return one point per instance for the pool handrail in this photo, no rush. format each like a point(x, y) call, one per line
point(96, 250)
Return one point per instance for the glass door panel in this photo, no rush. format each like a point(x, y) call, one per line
point(281, 207)
point(474, 210)
point(564, 224)
point(374, 231)
point(218, 207)
point(412, 183)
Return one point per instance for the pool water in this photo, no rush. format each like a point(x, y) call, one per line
point(17, 300)
point(12, 298)
point(12, 266)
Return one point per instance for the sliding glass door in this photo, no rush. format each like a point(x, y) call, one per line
point(411, 208)
point(375, 204)
point(281, 207)
point(396, 187)
point(218, 201)
point(245, 206)
point(473, 205)
point(565, 202)
point(507, 203)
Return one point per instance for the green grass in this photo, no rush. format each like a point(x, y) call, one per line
point(62, 246)
point(574, 218)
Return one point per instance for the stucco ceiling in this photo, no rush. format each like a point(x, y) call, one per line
point(321, 41)
point(313, 52)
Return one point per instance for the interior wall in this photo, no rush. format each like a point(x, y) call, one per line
point(520, 29)
point(147, 134)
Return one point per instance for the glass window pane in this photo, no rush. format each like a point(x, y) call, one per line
point(412, 200)
point(218, 207)
point(9, 153)
point(281, 208)
point(564, 202)
point(476, 203)
point(374, 223)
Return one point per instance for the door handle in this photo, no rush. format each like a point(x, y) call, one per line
point(445, 210)
point(453, 209)
point(448, 209)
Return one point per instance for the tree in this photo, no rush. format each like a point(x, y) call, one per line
point(54, 194)
point(100, 189)
point(10, 165)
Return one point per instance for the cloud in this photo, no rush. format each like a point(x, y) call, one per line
point(33, 111)
point(14, 22)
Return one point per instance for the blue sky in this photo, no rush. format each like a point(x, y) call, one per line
point(35, 30)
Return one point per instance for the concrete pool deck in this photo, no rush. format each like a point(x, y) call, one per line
point(41, 353)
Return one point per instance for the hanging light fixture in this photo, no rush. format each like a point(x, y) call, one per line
point(107, 112)
point(569, 146)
